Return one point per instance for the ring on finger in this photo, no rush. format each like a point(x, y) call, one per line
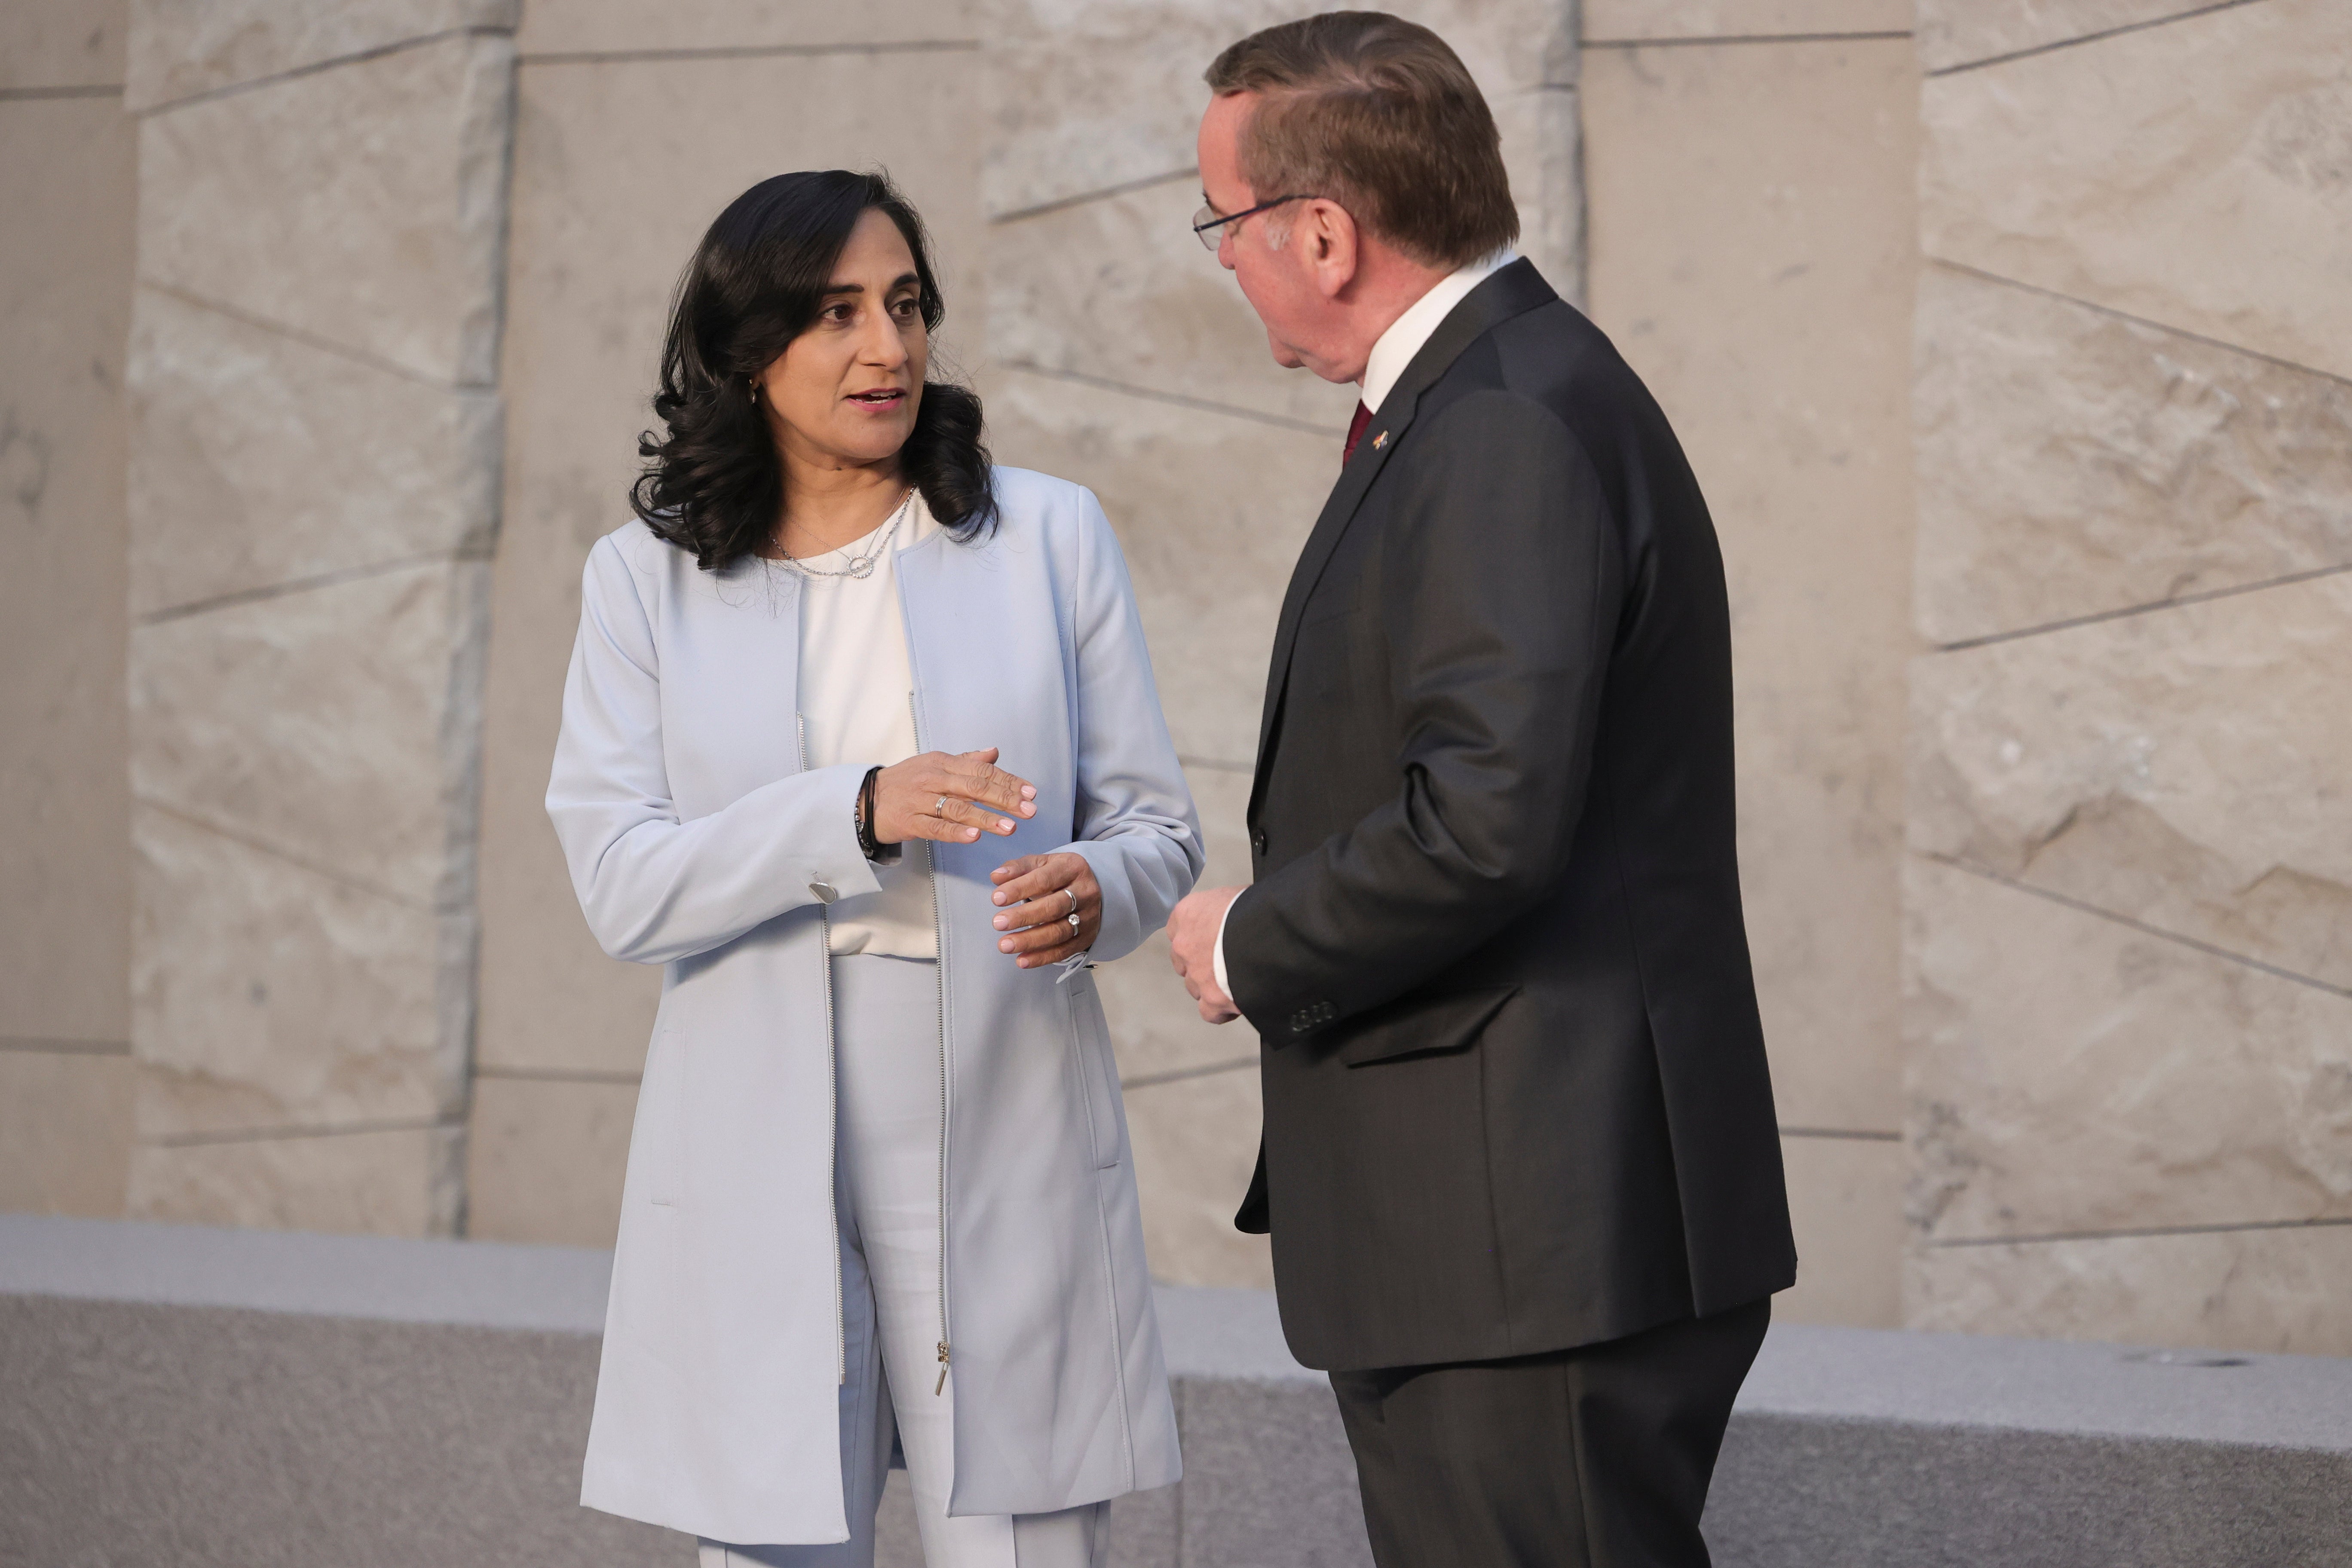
point(940, 806)
point(1074, 901)
point(1074, 922)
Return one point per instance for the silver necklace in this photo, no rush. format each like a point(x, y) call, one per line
point(859, 565)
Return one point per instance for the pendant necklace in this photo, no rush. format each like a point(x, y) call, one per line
point(859, 565)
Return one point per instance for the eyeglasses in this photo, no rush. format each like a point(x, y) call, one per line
point(1208, 220)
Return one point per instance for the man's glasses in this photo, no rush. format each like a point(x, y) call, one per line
point(1208, 222)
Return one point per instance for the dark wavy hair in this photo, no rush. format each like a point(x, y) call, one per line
point(715, 486)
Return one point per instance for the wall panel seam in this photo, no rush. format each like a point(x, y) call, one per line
point(459, 906)
point(556, 1074)
point(2209, 949)
point(293, 73)
point(335, 579)
point(310, 1130)
point(312, 340)
point(1983, 275)
point(42, 94)
point(2090, 37)
point(2128, 611)
point(38, 1044)
point(749, 52)
point(1125, 187)
point(1181, 1075)
point(1684, 43)
point(2220, 1228)
point(1280, 421)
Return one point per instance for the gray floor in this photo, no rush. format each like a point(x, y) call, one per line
point(187, 1397)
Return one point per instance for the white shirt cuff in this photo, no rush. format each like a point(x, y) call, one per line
point(1217, 963)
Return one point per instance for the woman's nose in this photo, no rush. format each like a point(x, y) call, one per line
point(883, 345)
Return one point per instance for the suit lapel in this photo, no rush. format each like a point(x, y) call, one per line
point(1511, 291)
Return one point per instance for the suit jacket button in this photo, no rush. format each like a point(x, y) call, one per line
point(826, 892)
point(1257, 841)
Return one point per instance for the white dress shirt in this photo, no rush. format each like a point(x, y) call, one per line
point(1387, 362)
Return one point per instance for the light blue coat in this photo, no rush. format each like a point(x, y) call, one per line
point(697, 840)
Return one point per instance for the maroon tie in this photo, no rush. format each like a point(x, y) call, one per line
point(1355, 432)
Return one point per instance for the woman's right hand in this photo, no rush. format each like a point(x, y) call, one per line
point(948, 797)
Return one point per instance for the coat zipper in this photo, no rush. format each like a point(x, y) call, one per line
point(832, 1105)
point(939, 935)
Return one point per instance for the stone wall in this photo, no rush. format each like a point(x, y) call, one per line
point(314, 494)
point(1123, 356)
point(2129, 886)
point(67, 177)
point(2009, 344)
point(1750, 169)
point(635, 126)
point(1054, 165)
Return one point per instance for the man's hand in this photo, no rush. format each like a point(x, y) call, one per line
point(1192, 943)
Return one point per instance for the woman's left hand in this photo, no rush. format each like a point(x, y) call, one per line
point(1037, 894)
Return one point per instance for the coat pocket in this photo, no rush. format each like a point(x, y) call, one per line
point(1422, 1027)
point(657, 1142)
point(1096, 1071)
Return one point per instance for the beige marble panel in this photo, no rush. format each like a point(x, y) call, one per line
point(61, 43)
point(2280, 1290)
point(2194, 174)
point(65, 1131)
point(544, 1160)
point(668, 142)
point(620, 27)
point(178, 51)
point(1195, 1144)
point(1962, 32)
point(397, 1182)
point(1752, 255)
point(2183, 767)
point(363, 205)
point(2071, 462)
point(1618, 19)
point(1086, 95)
point(1845, 1200)
point(67, 191)
point(1117, 289)
point(2068, 1074)
point(260, 460)
point(1211, 510)
point(1155, 1027)
point(340, 725)
point(267, 996)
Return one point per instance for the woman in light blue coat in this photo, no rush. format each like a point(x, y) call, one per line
point(860, 741)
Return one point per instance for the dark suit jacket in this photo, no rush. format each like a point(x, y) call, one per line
point(1516, 1093)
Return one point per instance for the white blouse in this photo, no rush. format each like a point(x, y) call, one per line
point(857, 702)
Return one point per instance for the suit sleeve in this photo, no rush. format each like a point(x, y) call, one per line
point(654, 888)
point(1500, 579)
point(1137, 826)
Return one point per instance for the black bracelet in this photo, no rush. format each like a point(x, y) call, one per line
point(866, 843)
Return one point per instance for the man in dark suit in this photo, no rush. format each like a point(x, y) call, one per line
point(1520, 1163)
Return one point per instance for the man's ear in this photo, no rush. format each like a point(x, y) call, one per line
point(1331, 245)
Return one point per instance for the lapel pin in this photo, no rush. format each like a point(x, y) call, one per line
point(1379, 440)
